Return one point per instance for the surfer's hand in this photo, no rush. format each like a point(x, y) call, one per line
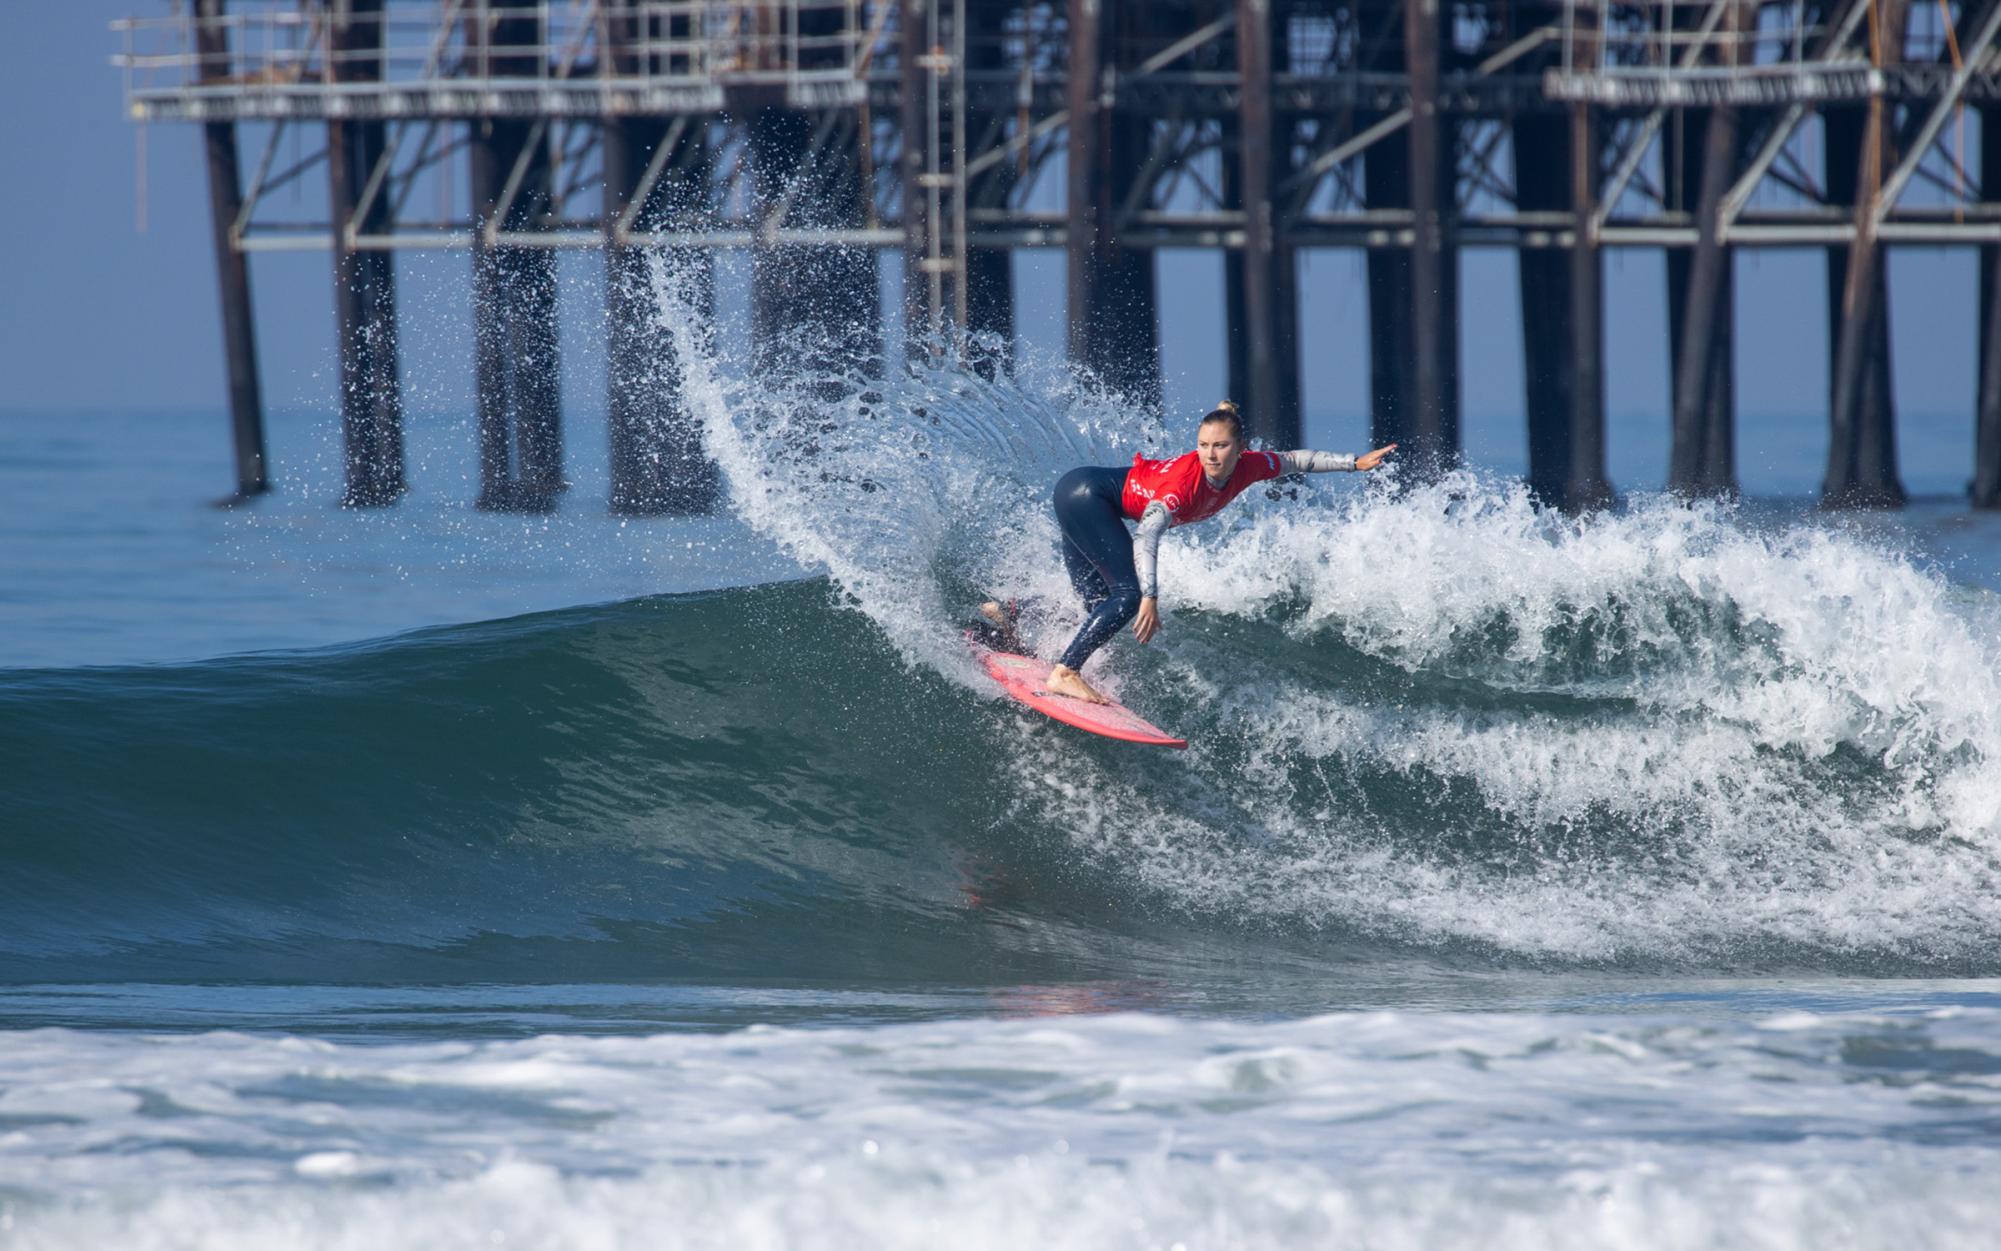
point(1147, 623)
point(1369, 460)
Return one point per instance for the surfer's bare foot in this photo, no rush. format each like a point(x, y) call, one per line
point(1063, 680)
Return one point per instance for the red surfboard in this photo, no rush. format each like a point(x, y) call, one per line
point(1021, 677)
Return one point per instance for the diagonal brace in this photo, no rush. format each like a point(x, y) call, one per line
point(1976, 52)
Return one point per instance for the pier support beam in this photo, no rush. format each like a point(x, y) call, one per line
point(1986, 486)
point(989, 270)
point(1861, 445)
point(371, 398)
point(1260, 286)
point(1562, 302)
point(1588, 487)
point(1432, 422)
point(1386, 185)
point(990, 304)
point(232, 267)
point(814, 308)
point(1701, 321)
point(928, 301)
point(657, 462)
point(514, 288)
point(1113, 306)
point(1414, 292)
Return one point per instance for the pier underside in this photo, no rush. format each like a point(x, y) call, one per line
point(817, 134)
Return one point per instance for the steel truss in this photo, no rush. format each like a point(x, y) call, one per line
point(702, 63)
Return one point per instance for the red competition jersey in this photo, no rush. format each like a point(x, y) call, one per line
point(1180, 485)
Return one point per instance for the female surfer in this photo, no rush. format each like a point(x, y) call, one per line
point(1113, 569)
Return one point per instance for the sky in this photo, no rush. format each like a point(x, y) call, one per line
point(109, 299)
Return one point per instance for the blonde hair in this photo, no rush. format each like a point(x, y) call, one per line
point(1225, 411)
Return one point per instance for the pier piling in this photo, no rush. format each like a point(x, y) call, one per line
point(1432, 417)
point(816, 308)
point(1861, 445)
point(232, 267)
point(1386, 187)
point(989, 269)
point(1114, 317)
point(516, 360)
point(657, 461)
point(1562, 303)
point(1112, 129)
point(927, 302)
point(371, 396)
point(1585, 483)
point(1701, 293)
point(1261, 292)
point(1985, 488)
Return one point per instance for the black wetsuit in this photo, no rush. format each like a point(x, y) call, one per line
point(1098, 553)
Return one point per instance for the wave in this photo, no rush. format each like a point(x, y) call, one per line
point(1434, 714)
point(1427, 718)
point(754, 784)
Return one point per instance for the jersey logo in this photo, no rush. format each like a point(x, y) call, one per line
point(1171, 502)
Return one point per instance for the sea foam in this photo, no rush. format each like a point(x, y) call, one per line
point(1119, 1131)
point(1432, 711)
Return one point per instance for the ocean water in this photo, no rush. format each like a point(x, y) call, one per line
point(429, 879)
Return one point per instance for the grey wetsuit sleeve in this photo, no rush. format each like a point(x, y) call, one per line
point(1153, 523)
point(1316, 462)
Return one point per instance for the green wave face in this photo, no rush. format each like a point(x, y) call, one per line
point(754, 785)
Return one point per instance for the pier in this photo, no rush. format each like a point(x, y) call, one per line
point(818, 134)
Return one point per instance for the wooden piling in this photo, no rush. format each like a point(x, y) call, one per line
point(1414, 394)
point(516, 360)
point(816, 309)
point(1432, 419)
point(232, 267)
point(1862, 448)
point(1114, 319)
point(1701, 291)
point(1985, 488)
point(925, 305)
point(657, 462)
point(371, 398)
point(1541, 143)
point(1562, 301)
point(1586, 483)
point(1261, 293)
point(989, 270)
point(1386, 185)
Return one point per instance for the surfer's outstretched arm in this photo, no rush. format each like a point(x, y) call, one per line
point(1334, 462)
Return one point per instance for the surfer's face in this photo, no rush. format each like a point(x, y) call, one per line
point(1217, 447)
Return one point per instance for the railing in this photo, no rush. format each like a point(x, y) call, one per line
point(281, 48)
point(1668, 38)
point(1679, 52)
point(1679, 37)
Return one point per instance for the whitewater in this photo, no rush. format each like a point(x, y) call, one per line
point(1530, 881)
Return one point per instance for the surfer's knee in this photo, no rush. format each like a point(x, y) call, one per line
point(1122, 605)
